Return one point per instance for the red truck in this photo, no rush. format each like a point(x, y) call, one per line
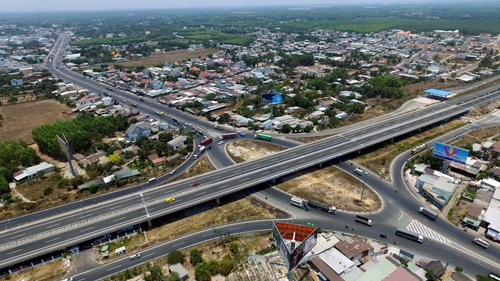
point(228, 136)
point(206, 142)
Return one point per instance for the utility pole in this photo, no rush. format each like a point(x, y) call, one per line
point(363, 190)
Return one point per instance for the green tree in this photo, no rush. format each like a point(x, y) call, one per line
point(175, 257)
point(458, 268)
point(225, 266)
point(431, 276)
point(155, 274)
point(202, 272)
point(286, 128)
point(174, 276)
point(195, 257)
point(114, 159)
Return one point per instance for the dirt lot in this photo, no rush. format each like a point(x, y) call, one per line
point(171, 56)
point(20, 119)
point(329, 185)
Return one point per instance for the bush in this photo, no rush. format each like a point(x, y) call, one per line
point(175, 257)
point(195, 257)
point(225, 266)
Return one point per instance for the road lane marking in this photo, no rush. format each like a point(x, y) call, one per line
point(401, 216)
point(87, 229)
point(119, 219)
point(22, 234)
point(113, 268)
point(145, 256)
point(53, 225)
point(48, 241)
point(119, 206)
point(10, 253)
point(176, 245)
point(201, 193)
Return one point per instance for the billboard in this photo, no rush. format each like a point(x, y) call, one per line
point(272, 96)
point(448, 152)
point(304, 237)
point(304, 247)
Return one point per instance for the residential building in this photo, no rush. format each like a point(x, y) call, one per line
point(177, 142)
point(354, 247)
point(137, 130)
point(32, 172)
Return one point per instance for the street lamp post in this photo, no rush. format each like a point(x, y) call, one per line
point(83, 209)
point(363, 190)
point(145, 205)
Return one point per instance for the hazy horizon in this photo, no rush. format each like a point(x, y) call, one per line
point(23, 6)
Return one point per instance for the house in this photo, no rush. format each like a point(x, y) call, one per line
point(495, 149)
point(33, 172)
point(183, 273)
point(16, 82)
point(328, 103)
point(354, 247)
point(436, 267)
point(137, 130)
point(86, 100)
point(474, 216)
point(155, 160)
point(157, 85)
point(177, 142)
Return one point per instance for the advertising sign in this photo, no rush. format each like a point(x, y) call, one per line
point(280, 244)
point(303, 249)
point(452, 153)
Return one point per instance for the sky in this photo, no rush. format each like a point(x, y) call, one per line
point(13, 6)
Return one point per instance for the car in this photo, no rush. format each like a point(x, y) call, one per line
point(199, 145)
point(220, 142)
point(151, 180)
point(172, 172)
point(170, 199)
point(359, 171)
point(68, 279)
point(135, 256)
point(208, 148)
point(382, 235)
point(195, 184)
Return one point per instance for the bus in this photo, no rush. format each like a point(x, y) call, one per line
point(419, 148)
point(410, 235)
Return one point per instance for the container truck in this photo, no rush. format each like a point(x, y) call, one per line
point(363, 220)
point(428, 213)
point(322, 206)
point(299, 202)
point(263, 137)
point(206, 142)
point(228, 136)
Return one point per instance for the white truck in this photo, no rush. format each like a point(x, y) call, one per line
point(428, 213)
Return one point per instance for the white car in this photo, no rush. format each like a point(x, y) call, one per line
point(172, 172)
point(359, 171)
point(135, 256)
point(221, 142)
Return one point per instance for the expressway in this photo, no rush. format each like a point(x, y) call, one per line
point(78, 225)
point(57, 232)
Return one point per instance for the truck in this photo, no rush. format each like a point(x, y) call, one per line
point(322, 206)
point(428, 213)
point(228, 136)
point(299, 202)
point(218, 127)
point(206, 142)
point(419, 148)
point(363, 220)
point(410, 235)
point(263, 137)
point(201, 149)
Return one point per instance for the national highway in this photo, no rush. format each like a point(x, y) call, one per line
point(34, 239)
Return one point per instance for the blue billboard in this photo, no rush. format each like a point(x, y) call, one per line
point(448, 152)
point(272, 96)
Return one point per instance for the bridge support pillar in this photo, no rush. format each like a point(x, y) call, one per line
point(359, 151)
point(274, 180)
point(150, 224)
point(320, 165)
point(217, 200)
point(392, 140)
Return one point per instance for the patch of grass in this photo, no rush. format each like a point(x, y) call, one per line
point(471, 193)
point(450, 213)
point(171, 56)
point(201, 166)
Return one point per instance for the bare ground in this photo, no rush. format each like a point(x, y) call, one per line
point(171, 56)
point(329, 185)
point(20, 119)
